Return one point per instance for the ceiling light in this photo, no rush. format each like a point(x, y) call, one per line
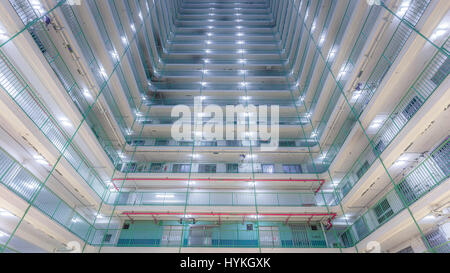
point(5, 213)
point(124, 40)
point(65, 122)
point(86, 94)
point(3, 36)
point(376, 124)
point(41, 160)
point(165, 196)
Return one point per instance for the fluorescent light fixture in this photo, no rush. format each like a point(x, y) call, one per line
point(5, 213)
point(65, 122)
point(240, 42)
point(322, 39)
point(133, 27)
point(86, 94)
point(376, 124)
point(2, 234)
point(332, 53)
point(3, 36)
point(115, 55)
point(124, 40)
point(246, 98)
point(404, 160)
point(440, 31)
point(41, 160)
point(165, 196)
point(103, 72)
point(355, 96)
point(403, 8)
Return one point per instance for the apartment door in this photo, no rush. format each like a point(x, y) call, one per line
point(172, 236)
point(269, 237)
point(299, 235)
point(200, 236)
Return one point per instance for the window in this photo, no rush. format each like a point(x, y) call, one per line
point(406, 250)
point(131, 167)
point(126, 226)
point(138, 142)
point(437, 239)
point(287, 143)
point(383, 211)
point(207, 168)
point(156, 167)
point(181, 168)
point(412, 107)
point(361, 228)
point(363, 169)
point(379, 148)
point(268, 168)
point(233, 143)
point(441, 157)
point(292, 168)
point(232, 168)
point(107, 238)
point(162, 142)
point(442, 72)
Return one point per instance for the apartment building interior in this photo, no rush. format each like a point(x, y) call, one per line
point(88, 161)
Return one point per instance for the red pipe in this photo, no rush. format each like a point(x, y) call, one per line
point(320, 186)
point(330, 224)
point(230, 214)
point(218, 179)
